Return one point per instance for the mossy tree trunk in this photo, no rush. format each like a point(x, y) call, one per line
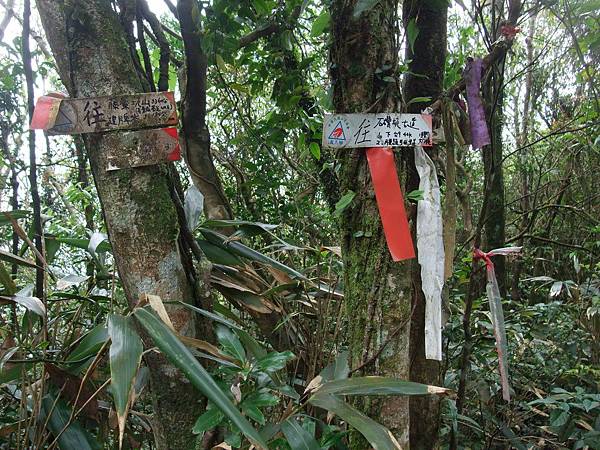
point(425, 79)
point(377, 290)
point(93, 59)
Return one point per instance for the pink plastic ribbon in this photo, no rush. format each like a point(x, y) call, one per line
point(495, 301)
point(479, 131)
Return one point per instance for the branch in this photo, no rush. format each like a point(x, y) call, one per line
point(269, 28)
point(163, 44)
point(560, 244)
point(172, 7)
point(10, 13)
point(498, 51)
point(265, 30)
point(7, 16)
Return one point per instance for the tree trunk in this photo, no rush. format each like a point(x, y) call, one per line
point(196, 136)
point(377, 290)
point(91, 52)
point(522, 139)
point(493, 93)
point(425, 79)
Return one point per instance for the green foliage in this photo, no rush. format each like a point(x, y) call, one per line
point(344, 202)
point(277, 293)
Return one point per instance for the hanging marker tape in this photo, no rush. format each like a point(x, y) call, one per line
point(390, 202)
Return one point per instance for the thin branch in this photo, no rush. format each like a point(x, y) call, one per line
point(163, 44)
point(7, 16)
point(559, 243)
point(269, 28)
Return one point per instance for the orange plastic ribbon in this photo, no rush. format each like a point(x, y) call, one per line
point(390, 202)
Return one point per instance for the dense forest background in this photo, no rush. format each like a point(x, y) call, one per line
point(282, 291)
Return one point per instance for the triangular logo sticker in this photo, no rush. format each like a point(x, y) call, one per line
point(338, 132)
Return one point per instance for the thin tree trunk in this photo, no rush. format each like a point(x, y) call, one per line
point(493, 93)
point(88, 208)
point(377, 290)
point(33, 184)
point(522, 138)
point(90, 48)
point(425, 79)
point(196, 135)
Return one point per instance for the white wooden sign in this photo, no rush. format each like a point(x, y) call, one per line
point(377, 130)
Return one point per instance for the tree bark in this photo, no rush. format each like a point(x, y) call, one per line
point(425, 79)
point(33, 184)
point(493, 94)
point(196, 136)
point(93, 58)
point(377, 290)
point(522, 139)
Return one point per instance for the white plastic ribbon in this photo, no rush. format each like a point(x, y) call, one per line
point(430, 245)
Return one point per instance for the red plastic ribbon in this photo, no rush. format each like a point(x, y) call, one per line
point(485, 257)
point(174, 155)
point(390, 203)
point(45, 111)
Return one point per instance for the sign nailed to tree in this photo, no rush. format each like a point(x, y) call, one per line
point(146, 112)
point(377, 130)
point(145, 147)
point(59, 115)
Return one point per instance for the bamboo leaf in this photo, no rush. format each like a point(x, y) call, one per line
point(378, 436)
point(181, 357)
point(89, 344)
point(338, 369)
point(72, 437)
point(14, 372)
point(7, 280)
point(158, 306)
point(217, 255)
point(83, 244)
point(69, 281)
point(33, 304)
point(298, 437)
point(211, 316)
point(241, 250)
point(15, 259)
point(125, 357)
point(379, 386)
point(95, 241)
point(16, 214)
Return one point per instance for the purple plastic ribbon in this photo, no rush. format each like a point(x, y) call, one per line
point(479, 130)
